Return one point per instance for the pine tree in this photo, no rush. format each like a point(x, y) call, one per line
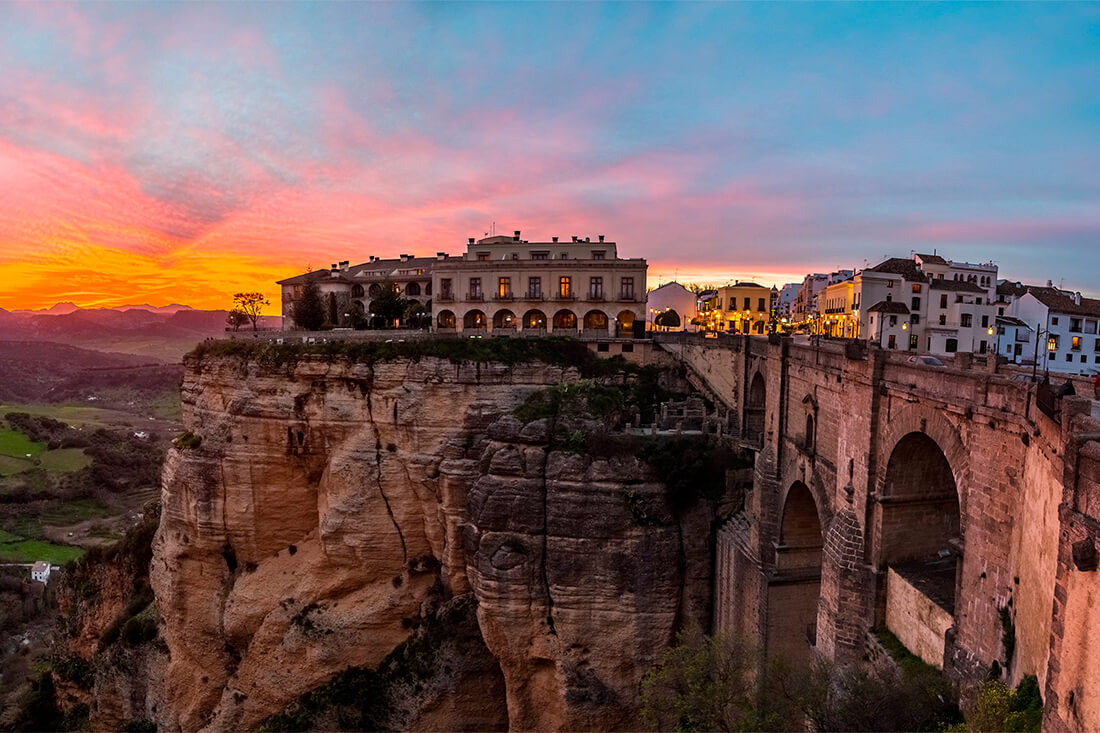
point(308, 311)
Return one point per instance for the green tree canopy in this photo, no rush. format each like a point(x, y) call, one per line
point(308, 311)
point(668, 319)
point(389, 303)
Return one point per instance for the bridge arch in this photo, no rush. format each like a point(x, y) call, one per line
point(754, 409)
point(794, 600)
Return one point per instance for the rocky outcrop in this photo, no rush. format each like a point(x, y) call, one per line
point(331, 506)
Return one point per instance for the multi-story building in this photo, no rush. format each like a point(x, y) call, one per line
point(925, 302)
point(1061, 328)
point(505, 285)
point(784, 307)
point(743, 307)
point(347, 291)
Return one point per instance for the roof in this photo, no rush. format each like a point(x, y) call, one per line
point(889, 306)
point(1010, 288)
point(40, 567)
point(957, 286)
point(900, 266)
point(1011, 321)
point(1057, 301)
point(354, 271)
point(932, 259)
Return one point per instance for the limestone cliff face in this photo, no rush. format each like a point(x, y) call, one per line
point(331, 505)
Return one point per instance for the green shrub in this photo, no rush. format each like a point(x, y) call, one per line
point(187, 440)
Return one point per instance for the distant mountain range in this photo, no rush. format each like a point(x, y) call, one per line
point(165, 333)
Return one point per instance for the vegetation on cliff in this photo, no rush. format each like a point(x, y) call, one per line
point(712, 683)
point(555, 351)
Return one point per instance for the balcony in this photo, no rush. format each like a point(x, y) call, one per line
point(504, 296)
point(533, 295)
point(565, 296)
point(445, 298)
point(596, 296)
point(627, 298)
point(475, 298)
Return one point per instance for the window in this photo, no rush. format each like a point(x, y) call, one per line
point(889, 298)
point(985, 321)
point(748, 303)
point(958, 299)
point(595, 288)
point(1069, 357)
point(475, 287)
point(943, 320)
point(602, 347)
point(916, 287)
point(1000, 311)
point(540, 255)
point(951, 346)
point(760, 304)
point(1090, 326)
point(1084, 358)
point(627, 288)
point(445, 288)
point(628, 348)
point(565, 255)
point(482, 256)
point(913, 342)
point(1075, 325)
point(915, 319)
point(504, 287)
point(964, 320)
point(515, 255)
point(889, 283)
point(916, 303)
point(1076, 345)
point(892, 342)
point(598, 255)
point(1052, 343)
point(893, 320)
point(943, 300)
point(1097, 347)
point(1054, 321)
point(982, 346)
point(565, 286)
point(534, 287)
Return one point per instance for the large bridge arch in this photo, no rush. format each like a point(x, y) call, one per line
point(917, 532)
point(755, 403)
point(794, 593)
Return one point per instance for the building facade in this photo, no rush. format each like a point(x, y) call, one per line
point(743, 307)
point(508, 286)
point(673, 297)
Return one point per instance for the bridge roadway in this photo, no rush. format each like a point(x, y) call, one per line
point(939, 502)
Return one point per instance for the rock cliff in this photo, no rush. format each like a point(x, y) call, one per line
point(327, 508)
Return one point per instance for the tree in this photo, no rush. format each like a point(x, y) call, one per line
point(667, 319)
point(251, 305)
point(235, 319)
point(389, 303)
point(703, 683)
point(308, 311)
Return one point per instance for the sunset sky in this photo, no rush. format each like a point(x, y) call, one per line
point(178, 152)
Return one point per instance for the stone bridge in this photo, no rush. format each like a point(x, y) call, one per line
point(937, 502)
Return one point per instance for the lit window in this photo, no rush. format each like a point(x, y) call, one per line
point(504, 287)
point(565, 286)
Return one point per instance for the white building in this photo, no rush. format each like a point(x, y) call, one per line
point(40, 571)
point(1066, 325)
point(672, 297)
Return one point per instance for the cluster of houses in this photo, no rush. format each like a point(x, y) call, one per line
point(506, 285)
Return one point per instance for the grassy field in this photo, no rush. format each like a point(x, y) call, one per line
point(21, 550)
point(16, 444)
point(64, 460)
point(75, 510)
point(10, 466)
point(93, 417)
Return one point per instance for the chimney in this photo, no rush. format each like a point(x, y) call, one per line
point(515, 236)
point(344, 265)
point(405, 257)
point(588, 239)
point(601, 237)
point(471, 240)
point(1077, 298)
point(574, 238)
point(334, 270)
point(555, 239)
point(374, 258)
point(1050, 283)
point(441, 255)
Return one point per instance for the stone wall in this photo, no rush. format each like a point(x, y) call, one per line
point(1006, 518)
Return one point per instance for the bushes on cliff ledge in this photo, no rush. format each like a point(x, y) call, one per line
point(556, 351)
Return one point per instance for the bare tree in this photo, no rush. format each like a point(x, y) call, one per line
point(251, 305)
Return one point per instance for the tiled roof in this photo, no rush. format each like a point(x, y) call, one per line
point(1056, 301)
point(956, 286)
point(1010, 288)
point(900, 266)
point(353, 273)
point(889, 306)
point(932, 259)
point(1011, 321)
